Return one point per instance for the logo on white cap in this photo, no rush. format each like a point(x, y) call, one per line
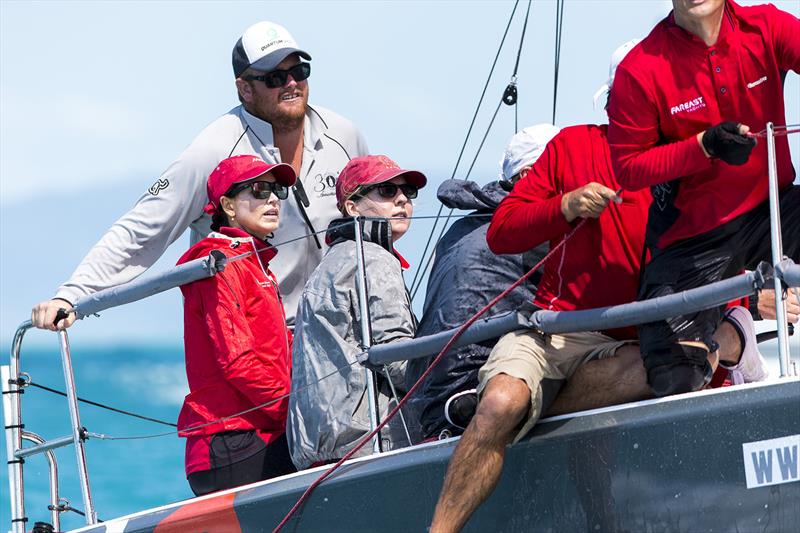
point(264, 38)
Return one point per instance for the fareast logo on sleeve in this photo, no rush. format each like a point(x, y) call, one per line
point(771, 462)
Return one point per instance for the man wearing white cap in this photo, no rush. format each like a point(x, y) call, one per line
point(599, 266)
point(465, 276)
point(274, 122)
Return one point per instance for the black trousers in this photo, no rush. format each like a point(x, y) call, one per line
point(267, 462)
point(715, 255)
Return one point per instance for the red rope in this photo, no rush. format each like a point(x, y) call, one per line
point(778, 131)
point(425, 374)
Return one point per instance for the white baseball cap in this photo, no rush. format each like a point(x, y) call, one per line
point(525, 147)
point(263, 46)
point(616, 58)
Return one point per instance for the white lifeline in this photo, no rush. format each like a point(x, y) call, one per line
point(176, 200)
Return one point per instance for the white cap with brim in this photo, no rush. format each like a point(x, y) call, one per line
point(525, 147)
point(263, 46)
point(616, 58)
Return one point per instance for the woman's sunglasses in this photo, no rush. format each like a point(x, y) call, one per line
point(389, 190)
point(278, 78)
point(260, 189)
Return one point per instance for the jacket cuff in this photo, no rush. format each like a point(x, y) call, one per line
point(70, 296)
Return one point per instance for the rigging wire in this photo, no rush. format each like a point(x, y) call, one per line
point(102, 406)
point(428, 264)
point(466, 138)
point(513, 84)
point(424, 375)
point(557, 59)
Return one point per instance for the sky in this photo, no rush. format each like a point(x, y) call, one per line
point(97, 98)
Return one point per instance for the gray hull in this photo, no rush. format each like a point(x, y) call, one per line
point(669, 465)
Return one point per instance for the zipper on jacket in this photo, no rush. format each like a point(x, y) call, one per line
point(235, 299)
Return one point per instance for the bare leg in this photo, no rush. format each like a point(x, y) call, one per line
point(604, 382)
point(477, 461)
point(623, 378)
point(730, 344)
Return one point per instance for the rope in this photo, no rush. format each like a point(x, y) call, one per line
point(425, 374)
point(103, 406)
point(222, 419)
point(419, 217)
point(466, 138)
point(779, 131)
point(557, 59)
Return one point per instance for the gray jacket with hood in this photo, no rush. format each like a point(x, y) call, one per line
point(328, 410)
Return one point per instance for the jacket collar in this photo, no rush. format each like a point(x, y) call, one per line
point(238, 236)
point(377, 231)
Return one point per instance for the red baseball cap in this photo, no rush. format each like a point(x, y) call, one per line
point(239, 169)
point(369, 170)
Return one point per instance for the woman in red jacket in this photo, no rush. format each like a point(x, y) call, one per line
point(238, 349)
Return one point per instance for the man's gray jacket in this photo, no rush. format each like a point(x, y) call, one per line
point(176, 200)
point(328, 408)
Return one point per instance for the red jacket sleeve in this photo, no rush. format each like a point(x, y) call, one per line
point(240, 359)
point(531, 213)
point(633, 135)
point(785, 38)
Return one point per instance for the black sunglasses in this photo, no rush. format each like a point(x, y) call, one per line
point(389, 190)
point(278, 78)
point(260, 190)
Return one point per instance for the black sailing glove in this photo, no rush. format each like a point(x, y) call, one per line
point(725, 142)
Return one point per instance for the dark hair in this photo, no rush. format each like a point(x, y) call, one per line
point(219, 219)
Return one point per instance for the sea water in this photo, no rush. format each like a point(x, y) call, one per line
point(126, 475)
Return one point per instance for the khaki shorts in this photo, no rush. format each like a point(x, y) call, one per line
point(533, 357)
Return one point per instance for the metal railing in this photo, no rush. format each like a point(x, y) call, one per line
point(13, 387)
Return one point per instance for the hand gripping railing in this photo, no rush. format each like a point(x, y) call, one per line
point(602, 318)
point(13, 388)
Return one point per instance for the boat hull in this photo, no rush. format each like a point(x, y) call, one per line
point(670, 465)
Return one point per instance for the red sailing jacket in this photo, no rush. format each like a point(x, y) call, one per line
point(672, 86)
point(599, 265)
point(238, 349)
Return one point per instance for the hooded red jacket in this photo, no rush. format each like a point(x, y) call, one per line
point(238, 349)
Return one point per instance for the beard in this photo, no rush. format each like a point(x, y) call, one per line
point(282, 118)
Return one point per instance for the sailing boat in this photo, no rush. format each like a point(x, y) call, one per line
point(525, 497)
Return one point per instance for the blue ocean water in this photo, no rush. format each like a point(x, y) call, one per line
point(126, 475)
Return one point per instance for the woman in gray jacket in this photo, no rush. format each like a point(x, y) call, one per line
point(327, 417)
